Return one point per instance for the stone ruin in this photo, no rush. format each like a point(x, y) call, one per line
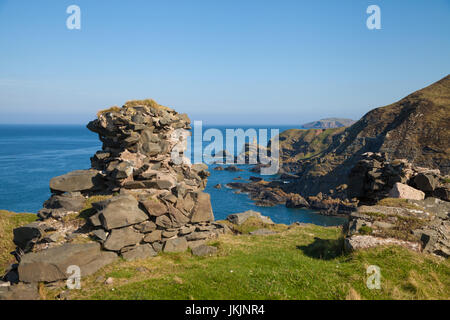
point(136, 200)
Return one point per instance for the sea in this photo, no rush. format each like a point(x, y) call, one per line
point(30, 155)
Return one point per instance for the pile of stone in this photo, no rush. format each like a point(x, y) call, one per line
point(423, 225)
point(140, 196)
point(374, 178)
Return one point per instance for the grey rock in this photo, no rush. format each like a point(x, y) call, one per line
point(204, 250)
point(121, 211)
point(100, 234)
point(195, 243)
point(24, 236)
point(175, 245)
point(426, 182)
point(154, 207)
point(153, 236)
point(79, 180)
point(51, 264)
point(202, 211)
point(262, 232)
point(240, 218)
point(140, 252)
point(20, 291)
point(120, 238)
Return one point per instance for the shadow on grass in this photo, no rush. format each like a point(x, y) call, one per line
point(324, 249)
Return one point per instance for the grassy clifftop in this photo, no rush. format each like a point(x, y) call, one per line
point(299, 262)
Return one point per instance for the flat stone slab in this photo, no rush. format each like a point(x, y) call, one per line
point(262, 232)
point(79, 180)
point(358, 242)
point(204, 250)
point(121, 211)
point(51, 264)
point(240, 218)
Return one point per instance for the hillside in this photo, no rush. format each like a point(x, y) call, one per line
point(328, 123)
point(414, 128)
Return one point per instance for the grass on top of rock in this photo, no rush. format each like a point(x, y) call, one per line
point(145, 102)
point(299, 262)
point(110, 109)
point(8, 222)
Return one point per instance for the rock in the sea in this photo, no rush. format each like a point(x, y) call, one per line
point(51, 264)
point(403, 191)
point(121, 211)
point(79, 180)
point(296, 201)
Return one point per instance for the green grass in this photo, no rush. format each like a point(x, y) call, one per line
point(302, 262)
point(394, 202)
point(365, 230)
point(8, 222)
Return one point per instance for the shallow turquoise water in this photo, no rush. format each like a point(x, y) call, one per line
point(30, 155)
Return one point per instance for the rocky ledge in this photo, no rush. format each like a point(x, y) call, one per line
point(133, 202)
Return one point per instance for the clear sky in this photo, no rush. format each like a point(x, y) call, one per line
point(221, 61)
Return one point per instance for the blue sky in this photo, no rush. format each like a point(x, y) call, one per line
point(221, 61)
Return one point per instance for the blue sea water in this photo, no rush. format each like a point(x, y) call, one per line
point(30, 155)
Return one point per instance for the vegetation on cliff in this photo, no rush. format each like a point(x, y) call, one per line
point(414, 128)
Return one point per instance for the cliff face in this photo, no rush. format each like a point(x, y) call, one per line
point(416, 128)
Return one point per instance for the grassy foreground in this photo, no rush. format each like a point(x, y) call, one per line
point(9, 221)
point(301, 262)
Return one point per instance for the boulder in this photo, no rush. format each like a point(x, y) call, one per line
point(240, 218)
point(262, 232)
point(426, 182)
point(403, 191)
point(20, 291)
point(71, 201)
point(202, 210)
point(154, 207)
point(153, 236)
point(296, 201)
point(120, 238)
point(27, 234)
point(140, 252)
point(79, 180)
point(51, 264)
point(204, 250)
point(176, 245)
point(121, 211)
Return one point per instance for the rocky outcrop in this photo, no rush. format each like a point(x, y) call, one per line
point(374, 177)
point(328, 123)
point(422, 225)
point(141, 196)
point(411, 129)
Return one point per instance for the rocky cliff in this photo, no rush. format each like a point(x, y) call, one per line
point(137, 199)
point(414, 128)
